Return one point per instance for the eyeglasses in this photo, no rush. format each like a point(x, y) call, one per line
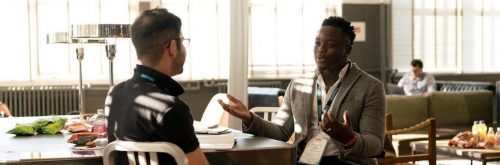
point(185, 42)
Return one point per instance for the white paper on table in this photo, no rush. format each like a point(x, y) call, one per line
point(216, 142)
point(202, 128)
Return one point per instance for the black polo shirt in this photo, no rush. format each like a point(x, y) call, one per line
point(146, 108)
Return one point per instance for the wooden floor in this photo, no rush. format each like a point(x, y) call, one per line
point(458, 162)
point(442, 160)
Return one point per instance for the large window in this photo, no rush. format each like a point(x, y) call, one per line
point(27, 57)
point(282, 34)
point(281, 38)
point(14, 43)
point(281, 42)
point(450, 36)
point(206, 23)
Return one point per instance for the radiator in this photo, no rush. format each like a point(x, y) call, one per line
point(40, 100)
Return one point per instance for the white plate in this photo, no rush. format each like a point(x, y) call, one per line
point(86, 148)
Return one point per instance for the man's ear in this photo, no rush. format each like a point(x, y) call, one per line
point(172, 48)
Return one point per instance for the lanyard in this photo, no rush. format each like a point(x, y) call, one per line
point(147, 77)
point(319, 96)
point(151, 79)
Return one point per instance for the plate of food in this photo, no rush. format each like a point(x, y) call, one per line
point(81, 139)
point(90, 145)
point(77, 127)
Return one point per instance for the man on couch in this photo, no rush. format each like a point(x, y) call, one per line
point(417, 82)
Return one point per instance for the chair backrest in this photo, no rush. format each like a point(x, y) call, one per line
point(268, 112)
point(393, 89)
point(430, 124)
point(141, 148)
point(213, 112)
point(263, 97)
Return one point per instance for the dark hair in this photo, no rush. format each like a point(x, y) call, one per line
point(343, 24)
point(152, 30)
point(416, 63)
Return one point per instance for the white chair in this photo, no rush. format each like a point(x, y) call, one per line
point(214, 112)
point(141, 148)
point(269, 112)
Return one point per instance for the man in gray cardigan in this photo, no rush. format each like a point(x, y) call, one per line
point(341, 105)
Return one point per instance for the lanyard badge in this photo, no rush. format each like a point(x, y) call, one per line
point(319, 96)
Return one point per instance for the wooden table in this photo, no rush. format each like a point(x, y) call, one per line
point(442, 148)
point(53, 149)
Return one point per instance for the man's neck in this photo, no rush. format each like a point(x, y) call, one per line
point(158, 67)
point(163, 70)
point(331, 75)
point(329, 78)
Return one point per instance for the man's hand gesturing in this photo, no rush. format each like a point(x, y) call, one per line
point(237, 109)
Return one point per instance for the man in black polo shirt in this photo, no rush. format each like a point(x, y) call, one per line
point(146, 107)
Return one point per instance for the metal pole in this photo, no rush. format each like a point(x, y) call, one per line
point(79, 57)
point(110, 53)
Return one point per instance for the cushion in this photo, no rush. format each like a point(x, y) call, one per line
point(449, 109)
point(479, 105)
point(393, 89)
point(407, 110)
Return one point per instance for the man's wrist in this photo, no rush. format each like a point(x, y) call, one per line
point(249, 120)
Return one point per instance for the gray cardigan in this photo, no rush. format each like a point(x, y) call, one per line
point(360, 93)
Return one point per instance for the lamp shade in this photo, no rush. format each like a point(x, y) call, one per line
point(63, 38)
point(100, 31)
point(58, 37)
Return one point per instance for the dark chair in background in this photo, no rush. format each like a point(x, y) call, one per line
point(264, 96)
point(393, 89)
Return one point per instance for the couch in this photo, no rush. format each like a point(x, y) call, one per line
point(449, 86)
point(453, 111)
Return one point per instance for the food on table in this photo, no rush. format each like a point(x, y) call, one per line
point(55, 126)
point(77, 127)
point(90, 144)
point(39, 123)
point(466, 140)
point(23, 130)
point(82, 138)
point(40, 126)
point(485, 145)
point(463, 140)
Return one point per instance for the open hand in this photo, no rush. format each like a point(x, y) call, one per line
point(341, 132)
point(4, 110)
point(237, 109)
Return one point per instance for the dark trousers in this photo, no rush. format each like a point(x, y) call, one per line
point(329, 160)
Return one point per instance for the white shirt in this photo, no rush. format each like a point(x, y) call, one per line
point(417, 85)
point(314, 129)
